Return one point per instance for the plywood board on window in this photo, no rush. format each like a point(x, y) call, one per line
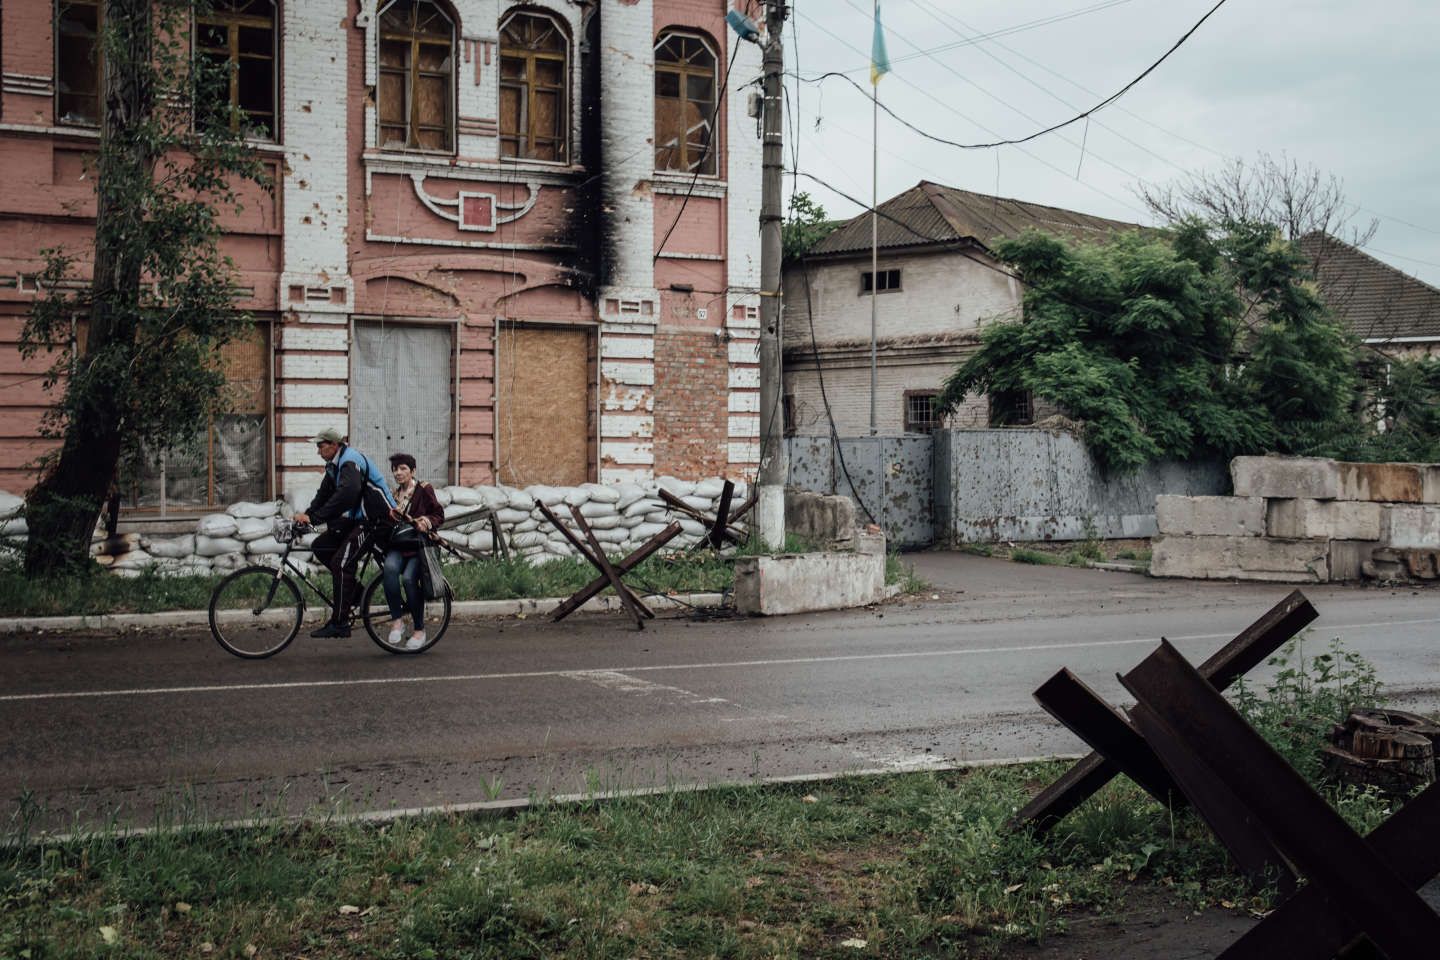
point(543, 407)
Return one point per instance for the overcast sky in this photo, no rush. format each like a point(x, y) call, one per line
point(1345, 85)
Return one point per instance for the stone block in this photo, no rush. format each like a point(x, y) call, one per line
point(1241, 558)
point(1348, 558)
point(1412, 527)
point(1306, 519)
point(1423, 564)
point(1382, 482)
point(1430, 483)
point(1287, 477)
point(1210, 516)
point(797, 583)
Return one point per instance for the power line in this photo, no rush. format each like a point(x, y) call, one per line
point(1053, 127)
point(700, 164)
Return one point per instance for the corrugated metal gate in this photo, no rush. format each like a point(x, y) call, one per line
point(892, 476)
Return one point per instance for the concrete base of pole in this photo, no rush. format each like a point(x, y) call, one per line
point(770, 515)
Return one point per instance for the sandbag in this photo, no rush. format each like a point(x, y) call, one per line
point(216, 525)
point(546, 495)
point(253, 528)
point(710, 489)
point(628, 493)
point(265, 546)
point(481, 541)
point(576, 496)
point(601, 493)
point(245, 508)
point(171, 547)
point(597, 509)
point(465, 496)
point(681, 488)
point(217, 546)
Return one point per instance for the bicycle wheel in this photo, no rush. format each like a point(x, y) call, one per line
point(376, 612)
point(255, 612)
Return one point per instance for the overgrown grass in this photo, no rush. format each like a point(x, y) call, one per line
point(101, 592)
point(1026, 555)
point(916, 865)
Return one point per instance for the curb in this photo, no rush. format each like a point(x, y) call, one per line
point(1118, 567)
point(520, 608)
point(511, 807)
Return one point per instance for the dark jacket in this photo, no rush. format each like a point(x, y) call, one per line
point(342, 492)
point(423, 503)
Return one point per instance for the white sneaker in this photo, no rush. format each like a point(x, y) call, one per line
point(416, 641)
point(397, 633)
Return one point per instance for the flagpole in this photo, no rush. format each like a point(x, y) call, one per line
point(874, 232)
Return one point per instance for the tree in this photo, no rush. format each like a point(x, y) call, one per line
point(1198, 342)
point(805, 226)
point(1298, 200)
point(160, 301)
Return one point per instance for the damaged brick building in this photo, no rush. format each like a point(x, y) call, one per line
point(517, 241)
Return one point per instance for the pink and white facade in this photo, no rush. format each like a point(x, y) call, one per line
point(506, 317)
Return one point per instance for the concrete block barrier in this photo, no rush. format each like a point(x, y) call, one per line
point(1285, 477)
point(1305, 519)
point(1210, 516)
point(1241, 558)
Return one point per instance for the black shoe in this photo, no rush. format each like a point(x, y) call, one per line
point(331, 630)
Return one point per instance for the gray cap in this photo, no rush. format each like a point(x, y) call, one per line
point(328, 435)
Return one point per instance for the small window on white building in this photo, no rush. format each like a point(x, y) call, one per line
point(920, 415)
point(889, 281)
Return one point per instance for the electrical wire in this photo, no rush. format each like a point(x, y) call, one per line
point(699, 164)
point(1053, 127)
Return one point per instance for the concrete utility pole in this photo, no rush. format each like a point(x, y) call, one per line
point(773, 465)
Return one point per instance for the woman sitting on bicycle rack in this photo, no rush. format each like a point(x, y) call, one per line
point(352, 483)
point(418, 512)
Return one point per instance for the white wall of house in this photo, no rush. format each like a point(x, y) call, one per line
point(943, 292)
point(942, 297)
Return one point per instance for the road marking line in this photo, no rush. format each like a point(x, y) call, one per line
point(726, 665)
point(621, 683)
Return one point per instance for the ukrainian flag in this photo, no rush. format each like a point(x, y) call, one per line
point(879, 59)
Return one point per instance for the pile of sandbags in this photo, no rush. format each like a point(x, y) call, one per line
point(622, 516)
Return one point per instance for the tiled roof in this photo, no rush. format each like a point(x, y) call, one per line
point(1374, 299)
point(933, 213)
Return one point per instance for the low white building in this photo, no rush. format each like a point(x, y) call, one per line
point(937, 283)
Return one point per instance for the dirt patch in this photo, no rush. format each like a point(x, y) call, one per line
point(1148, 924)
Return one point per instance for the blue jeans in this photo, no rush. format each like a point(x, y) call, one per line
point(397, 568)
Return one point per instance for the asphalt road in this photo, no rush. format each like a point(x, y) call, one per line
point(120, 726)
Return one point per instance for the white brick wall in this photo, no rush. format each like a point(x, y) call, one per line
point(940, 293)
point(627, 63)
point(848, 388)
point(315, 96)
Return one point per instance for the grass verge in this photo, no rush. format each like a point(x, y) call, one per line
point(100, 592)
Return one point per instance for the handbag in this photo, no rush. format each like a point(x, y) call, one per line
point(404, 535)
point(432, 578)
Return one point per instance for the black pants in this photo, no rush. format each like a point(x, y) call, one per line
point(339, 549)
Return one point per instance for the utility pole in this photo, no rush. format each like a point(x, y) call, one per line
point(773, 462)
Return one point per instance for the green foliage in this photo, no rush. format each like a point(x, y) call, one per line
point(805, 226)
point(1194, 343)
point(159, 305)
point(1036, 557)
point(1306, 698)
point(1403, 395)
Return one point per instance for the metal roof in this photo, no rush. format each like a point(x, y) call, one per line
point(930, 213)
point(1375, 300)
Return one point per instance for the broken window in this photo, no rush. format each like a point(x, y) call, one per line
point(229, 461)
point(534, 104)
point(1012, 408)
point(685, 95)
point(416, 94)
point(920, 415)
point(78, 64)
point(238, 38)
point(889, 281)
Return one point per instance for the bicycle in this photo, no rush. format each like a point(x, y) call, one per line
point(257, 611)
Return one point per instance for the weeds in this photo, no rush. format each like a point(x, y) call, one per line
point(1026, 555)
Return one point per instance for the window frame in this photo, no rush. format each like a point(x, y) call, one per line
point(935, 421)
point(412, 74)
point(530, 88)
point(711, 155)
point(97, 54)
point(232, 21)
point(886, 273)
point(1010, 408)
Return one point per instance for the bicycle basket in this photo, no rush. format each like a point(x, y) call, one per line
point(284, 530)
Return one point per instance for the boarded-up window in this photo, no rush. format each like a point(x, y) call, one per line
point(238, 38)
point(534, 88)
point(543, 409)
point(231, 462)
point(402, 396)
point(685, 104)
point(77, 61)
point(416, 95)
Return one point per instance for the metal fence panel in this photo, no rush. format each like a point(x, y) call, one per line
point(890, 476)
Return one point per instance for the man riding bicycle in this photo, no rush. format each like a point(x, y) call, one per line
point(352, 483)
